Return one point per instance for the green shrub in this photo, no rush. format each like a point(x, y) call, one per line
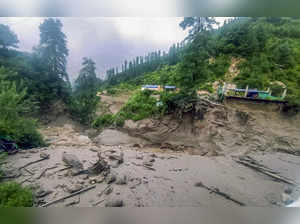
point(177, 101)
point(111, 91)
point(141, 105)
point(83, 107)
point(120, 118)
point(13, 124)
point(13, 195)
point(103, 121)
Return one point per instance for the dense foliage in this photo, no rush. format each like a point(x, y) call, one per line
point(13, 195)
point(139, 106)
point(84, 100)
point(267, 51)
point(15, 122)
point(103, 121)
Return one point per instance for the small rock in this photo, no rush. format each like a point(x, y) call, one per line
point(114, 203)
point(80, 182)
point(44, 155)
point(73, 202)
point(93, 150)
point(148, 161)
point(33, 151)
point(136, 145)
point(93, 181)
point(119, 158)
point(60, 186)
point(42, 192)
point(115, 164)
point(139, 157)
point(100, 180)
point(121, 180)
point(85, 177)
point(108, 191)
point(198, 184)
point(135, 182)
point(110, 178)
point(145, 163)
point(153, 155)
point(73, 188)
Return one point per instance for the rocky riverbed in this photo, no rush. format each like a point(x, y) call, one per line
point(235, 156)
point(154, 177)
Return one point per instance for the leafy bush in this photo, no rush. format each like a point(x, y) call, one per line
point(103, 121)
point(13, 195)
point(83, 107)
point(13, 124)
point(141, 105)
point(176, 102)
point(111, 91)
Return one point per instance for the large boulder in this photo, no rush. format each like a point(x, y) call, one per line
point(73, 161)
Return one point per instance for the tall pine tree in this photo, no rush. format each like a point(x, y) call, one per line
point(52, 52)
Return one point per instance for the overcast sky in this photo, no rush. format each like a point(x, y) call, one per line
point(108, 40)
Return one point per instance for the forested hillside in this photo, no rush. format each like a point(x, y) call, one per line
point(266, 49)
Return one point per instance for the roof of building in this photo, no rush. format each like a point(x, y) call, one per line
point(170, 87)
point(150, 86)
point(250, 90)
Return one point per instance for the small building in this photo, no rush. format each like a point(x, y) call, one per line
point(151, 87)
point(170, 88)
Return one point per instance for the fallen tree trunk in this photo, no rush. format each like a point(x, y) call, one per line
point(218, 192)
point(265, 171)
point(69, 196)
point(33, 162)
point(44, 171)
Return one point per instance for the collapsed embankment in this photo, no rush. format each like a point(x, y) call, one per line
point(233, 128)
